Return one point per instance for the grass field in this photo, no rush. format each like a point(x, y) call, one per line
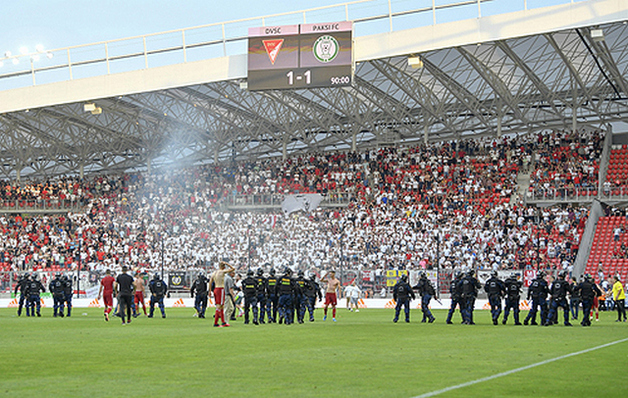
point(362, 355)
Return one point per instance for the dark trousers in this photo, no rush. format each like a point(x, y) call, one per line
point(261, 299)
point(160, 302)
point(271, 307)
point(58, 305)
point(125, 302)
point(21, 304)
point(621, 309)
point(405, 303)
point(425, 307)
point(586, 311)
point(32, 304)
point(285, 308)
point(68, 302)
point(200, 303)
point(562, 303)
point(311, 304)
point(496, 305)
point(512, 303)
point(537, 303)
point(250, 302)
point(455, 302)
point(574, 303)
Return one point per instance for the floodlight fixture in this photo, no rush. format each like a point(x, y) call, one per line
point(7, 54)
point(23, 50)
point(90, 107)
point(35, 57)
point(39, 48)
point(597, 35)
point(415, 62)
point(49, 55)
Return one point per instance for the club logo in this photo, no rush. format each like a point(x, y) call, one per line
point(326, 48)
point(272, 48)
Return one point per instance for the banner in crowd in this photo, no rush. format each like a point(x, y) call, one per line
point(306, 202)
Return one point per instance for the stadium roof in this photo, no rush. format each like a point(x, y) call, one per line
point(509, 73)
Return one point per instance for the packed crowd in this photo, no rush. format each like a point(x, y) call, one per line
point(450, 203)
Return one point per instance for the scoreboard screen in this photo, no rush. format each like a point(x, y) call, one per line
point(300, 56)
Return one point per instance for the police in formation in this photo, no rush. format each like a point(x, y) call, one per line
point(587, 290)
point(250, 288)
point(559, 290)
point(68, 293)
point(403, 294)
point(199, 289)
point(33, 299)
point(158, 290)
point(426, 291)
point(495, 290)
point(513, 291)
point(57, 289)
point(272, 300)
point(455, 295)
point(20, 287)
point(469, 287)
point(262, 290)
point(538, 292)
point(312, 293)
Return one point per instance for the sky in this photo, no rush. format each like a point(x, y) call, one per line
point(63, 23)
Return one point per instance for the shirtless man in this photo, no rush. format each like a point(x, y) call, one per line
point(333, 285)
point(138, 299)
point(218, 281)
point(106, 287)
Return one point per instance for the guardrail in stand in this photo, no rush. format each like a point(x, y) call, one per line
point(40, 206)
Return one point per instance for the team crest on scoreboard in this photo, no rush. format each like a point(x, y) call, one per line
point(272, 48)
point(326, 48)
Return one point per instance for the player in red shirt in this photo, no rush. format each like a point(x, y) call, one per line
point(106, 292)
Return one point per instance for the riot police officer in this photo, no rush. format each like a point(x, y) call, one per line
point(250, 288)
point(402, 293)
point(538, 291)
point(158, 291)
point(559, 290)
point(312, 292)
point(300, 302)
point(20, 286)
point(495, 290)
point(261, 294)
point(513, 291)
point(33, 289)
point(469, 286)
point(199, 287)
point(271, 300)
point(68, 291)
point(57, 289)
point(426, 291)
point(456, 296)
point(588, 290)
point(285, 290)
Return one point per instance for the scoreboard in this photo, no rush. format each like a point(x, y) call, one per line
point(300, 56)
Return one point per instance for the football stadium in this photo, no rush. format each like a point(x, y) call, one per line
point(376, 198)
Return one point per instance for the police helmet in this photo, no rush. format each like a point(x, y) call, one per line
point(312, 275)
point(561, 274)
point(540, 274)
point(272, 272)
point(34, 276)
point(249, 272)
point(301, 273)
point(423, 275)
point(588, 277)
point(58, 275)
point(260, 272)
point(404, 278)
point(494, 274)
point(156, 276)
point(287, 271)
point(457, 273)
point(471, 272)
point(517, 275)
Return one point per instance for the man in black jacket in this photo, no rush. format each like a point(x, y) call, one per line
point(402, 293)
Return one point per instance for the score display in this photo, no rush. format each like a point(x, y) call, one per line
point(300, 56)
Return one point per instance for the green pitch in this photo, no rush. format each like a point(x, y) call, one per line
point(362, 355)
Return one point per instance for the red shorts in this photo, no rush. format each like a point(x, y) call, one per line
point(596, 304)
point(108, 297)
point(139, 298)
point(330, 298)
point(219, 295)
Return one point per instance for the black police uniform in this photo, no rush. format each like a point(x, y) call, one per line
point(250, 288)
point(402, 293)
point(33, 289)
point(495, 290)
point(456, 297)
point(538, 292)
point(312, 292)
point(285, 289)
point(199, 288)
point(21, 287)
point(271, 301)
point(588, 290)
point(261, 294)
point(68, 293)
point(125, 295)
point(513, 292)
point(426, 291)
point(158, 289)
point(57, 288)
point(469, 286)
point(574, 301)
point(559, 291)
point(300, 302)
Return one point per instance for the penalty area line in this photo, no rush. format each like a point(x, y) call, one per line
point(495, 376)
